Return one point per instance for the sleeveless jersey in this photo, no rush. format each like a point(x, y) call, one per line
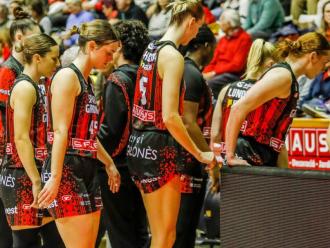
point(84, 124)
point(269, 123)
point(234, 92)
point(9, 71)
point(37, 130)
point(147, 106)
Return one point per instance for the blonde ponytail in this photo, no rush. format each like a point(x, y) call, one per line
point(260, 51)
point(182, 8)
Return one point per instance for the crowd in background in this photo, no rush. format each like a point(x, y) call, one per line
point(236, 23)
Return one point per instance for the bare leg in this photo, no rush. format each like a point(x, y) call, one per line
point(79, 231)
point(162, 208)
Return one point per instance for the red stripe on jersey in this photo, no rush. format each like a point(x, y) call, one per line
point(37, 133)
point(147, 106)
point(84, 125)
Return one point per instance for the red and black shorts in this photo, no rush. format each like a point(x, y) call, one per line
point(79, 191)
point(193, 174)
point(255, 153)
point(154, 158)
point(16, 194)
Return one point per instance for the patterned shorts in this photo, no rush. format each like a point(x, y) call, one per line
point(16, 194)
point(79, 192)
point(154, 158)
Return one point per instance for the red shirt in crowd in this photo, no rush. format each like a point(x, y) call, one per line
point(209, 17)
point(231, 53)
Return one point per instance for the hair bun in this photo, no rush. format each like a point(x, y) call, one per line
point(295, 46)
point(19, 13)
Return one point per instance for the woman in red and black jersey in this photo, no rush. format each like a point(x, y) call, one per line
point(263, 116)
point(197, 116)
point(260, 58)
point(20, 27)
point(72, 190)
point(155, 155)
point(26, 139)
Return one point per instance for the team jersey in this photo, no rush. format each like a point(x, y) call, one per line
point(84, 124)
point(9, 71)
point(269, 123)
point(147, 106)
point(116, 112)
point(38, 128)
point(234, 92)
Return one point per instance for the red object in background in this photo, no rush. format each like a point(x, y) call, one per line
point(109, 8)
point(209, 17)
point(5, 52)
point(308, 149)
point(231, 53)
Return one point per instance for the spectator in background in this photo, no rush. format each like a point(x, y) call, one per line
point(286, 32)
point(160, 17)
point(4, 22)
point(325, 21)
point(208, 16)
point(38, 13)
point(55, 7)
point(230, 55)
point(96, 7)
point(264, 17)
point(14, 4)
point(299, 7)
point(58, 13)
point(319, 91)
point(225, 4)
point(144, 4)
point(5, 44)
point(128, 10)
point(76, 18)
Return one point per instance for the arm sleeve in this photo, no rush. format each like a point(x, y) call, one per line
point(115, 117)
point(194, 84)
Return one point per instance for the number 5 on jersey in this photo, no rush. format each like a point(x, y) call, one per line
point(143, 90)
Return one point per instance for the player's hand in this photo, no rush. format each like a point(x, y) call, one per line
point(114, 178)
point(205, 157)
point(237, 162)
point(49, 192)
point(36, 188)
